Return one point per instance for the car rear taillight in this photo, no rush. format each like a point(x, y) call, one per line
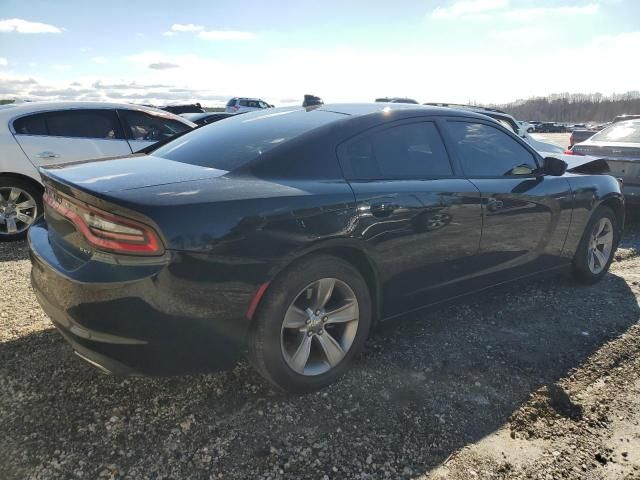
point(571, 152)
point(104, 230)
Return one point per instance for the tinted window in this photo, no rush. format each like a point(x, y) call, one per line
point(485, 151)
point(102, 124)
point(405, 151)
point(240, 139)
point(244, 103)
point(231, 102)
point(31, 125)
point(143, 126)
point(620, 132)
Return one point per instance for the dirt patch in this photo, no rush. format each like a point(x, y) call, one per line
point(536, 380)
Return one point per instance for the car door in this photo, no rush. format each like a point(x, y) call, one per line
point(70, 135)
point(420, 220)
point(143, 129)
point(526, 214)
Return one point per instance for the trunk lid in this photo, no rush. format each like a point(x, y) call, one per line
point(623, 158)
point(128, 173)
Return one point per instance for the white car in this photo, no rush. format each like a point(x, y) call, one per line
point(39, 134)
point(243, 105)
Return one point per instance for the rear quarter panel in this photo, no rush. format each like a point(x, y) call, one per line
point(589, 192)
point(14, 160)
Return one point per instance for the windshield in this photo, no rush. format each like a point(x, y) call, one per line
point(626, 132)
point(237, 141)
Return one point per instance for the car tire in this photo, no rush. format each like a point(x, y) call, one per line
point(284, 331)
point(530, 130)
point(602, 234)
point(13, 193)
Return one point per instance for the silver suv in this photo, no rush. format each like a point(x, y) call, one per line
point(242, 105)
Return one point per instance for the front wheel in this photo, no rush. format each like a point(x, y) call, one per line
point(312, 322)
point(597, 246)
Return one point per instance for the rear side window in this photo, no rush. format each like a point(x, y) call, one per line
point(240, 139)
point(99, 124)
point(620, 132)
point(486, 151)
point(244, 103)
point(143, 126)
point(405, 151)
point(31, 125)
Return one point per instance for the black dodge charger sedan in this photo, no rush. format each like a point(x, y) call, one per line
point(288, 234)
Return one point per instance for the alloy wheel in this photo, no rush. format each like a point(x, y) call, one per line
point(600, 246)
point(319, 327)
point(18, 210)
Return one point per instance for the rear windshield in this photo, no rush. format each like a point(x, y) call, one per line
point(237, 141)
point(628, 131)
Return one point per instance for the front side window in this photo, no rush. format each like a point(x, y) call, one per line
point(485, 151)
point(99, 124)
point(401, 152)
point(143, 126)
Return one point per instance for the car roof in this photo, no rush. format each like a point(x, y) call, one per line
point(19, 109)
point(357, 109)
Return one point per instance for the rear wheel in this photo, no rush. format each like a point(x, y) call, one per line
point(597, 246)
point(20, 206)
point(314, 319)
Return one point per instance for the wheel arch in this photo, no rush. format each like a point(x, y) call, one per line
point(24, 178)
point(615, 203)
point(349, 251)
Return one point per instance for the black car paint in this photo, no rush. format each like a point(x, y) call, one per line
point(229, 234)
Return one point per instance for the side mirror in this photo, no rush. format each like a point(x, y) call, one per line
point(554, 166)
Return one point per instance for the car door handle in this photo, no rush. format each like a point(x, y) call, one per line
point(383, 209)
point(493, 204)
point(47, 155)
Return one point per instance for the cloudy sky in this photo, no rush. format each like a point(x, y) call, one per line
point(356, 50)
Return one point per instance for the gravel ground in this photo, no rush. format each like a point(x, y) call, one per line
point(536, 380)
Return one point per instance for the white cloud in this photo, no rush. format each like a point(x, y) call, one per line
point(60, 67)
point(168, 34)
point(186, 27)
point(19, 25)
point(3, 62)
point(226, 35)
point(528, 14)
point(100, 60)
point(363, 80)
point(163, 65)
point(465, 8)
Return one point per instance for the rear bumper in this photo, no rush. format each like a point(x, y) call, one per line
point(151, 319)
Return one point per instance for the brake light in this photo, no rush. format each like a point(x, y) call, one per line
point(104, 230)
point(571, 152)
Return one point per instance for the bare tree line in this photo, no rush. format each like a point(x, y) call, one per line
point(574, 107)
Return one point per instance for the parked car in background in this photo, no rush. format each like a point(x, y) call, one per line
point(550, 127)
point(184, 108)
point(397, 100)
point(205, 118)
point(39, 134)
point(508, 122)
point(621, 118)
point(619, 144)
point(526, 126)
point(290, 235)
point(243, 105)
point(580, 135)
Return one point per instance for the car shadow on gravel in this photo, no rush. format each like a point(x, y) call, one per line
point(424, 388)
